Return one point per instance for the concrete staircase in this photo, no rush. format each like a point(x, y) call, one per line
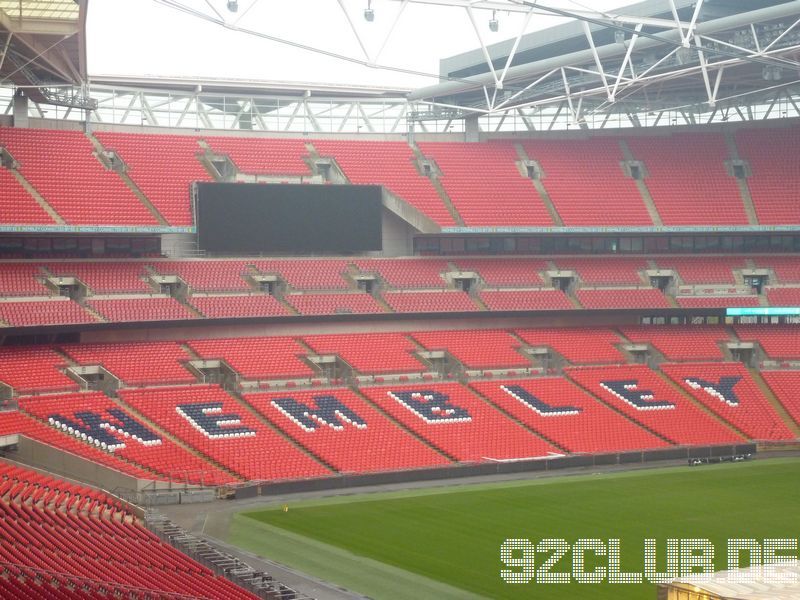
point(776, 404)
point(448, 202)
point(744, 189)
point(38, 197)
point(647, 198)
point(540, 189)
point(123, 174)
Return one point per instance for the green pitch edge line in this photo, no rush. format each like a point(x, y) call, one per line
point(455, 488)
point(357, 573)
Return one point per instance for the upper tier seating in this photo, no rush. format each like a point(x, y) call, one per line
point(141, 309)
point(207, 275)
point(20, 279)
point(777, 341)
point(775, 172)
point(562, 412)
point(786, 387)
point(60, 166)
point(307, 274)
point(124, 435)
point(221, 307)
point(331, 304)
point(457, 422)
point(136, 363)
point(389, 164)
point(257, 358)
point(602, 271)
point(716, 301)
point(345, 431)
point(729, 391)
point(687, 178)
point(476, 348)
point(423, 302)
point(33, 369)
point(703, 269)
point(255, 155)
point(641, 394)
point(505, 272)
point(83, 545)
point(624, 298)
point(681, 342)
point(485, 184)
point(578, 345)
point(584, 178)
point(163, 166)
point(17, 206)
point(54, 311)
point(370, 352)
point(407, 273)
point(104, 277)
point(212, 422)
point(546, 299)
point(783, 296)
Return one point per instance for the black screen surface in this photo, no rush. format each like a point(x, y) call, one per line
point(255, 218)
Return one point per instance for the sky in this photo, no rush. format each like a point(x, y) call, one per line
point(148, 38)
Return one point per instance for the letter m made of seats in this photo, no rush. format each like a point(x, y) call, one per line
point(328, 410)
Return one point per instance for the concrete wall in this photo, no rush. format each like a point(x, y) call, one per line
point(55, 460)
point(523, 466)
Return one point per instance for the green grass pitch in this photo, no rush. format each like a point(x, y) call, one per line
point(445, 542)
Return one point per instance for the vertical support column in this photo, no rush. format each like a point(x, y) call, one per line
point(471, 130)
point(20, 109)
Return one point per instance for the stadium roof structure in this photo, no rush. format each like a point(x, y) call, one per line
point(656, 62)
point(43, 50)
point(692, 56)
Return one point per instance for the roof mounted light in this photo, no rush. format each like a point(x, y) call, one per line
point(233, 5)
point(369, 14)
point(494, 24)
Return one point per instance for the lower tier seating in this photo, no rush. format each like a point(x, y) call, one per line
point(82, 533)
point(729, 391)
point(220, 428)
point(453, 419)
point(96, 420)
point(644, 396)
point(565, 414)
point(786, 386)
point(345, 431)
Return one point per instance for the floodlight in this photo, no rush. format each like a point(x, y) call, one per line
point(233, 5)
point(369, 14)
point(494, 24)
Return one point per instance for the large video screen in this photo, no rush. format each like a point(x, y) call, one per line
point(255, 218)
